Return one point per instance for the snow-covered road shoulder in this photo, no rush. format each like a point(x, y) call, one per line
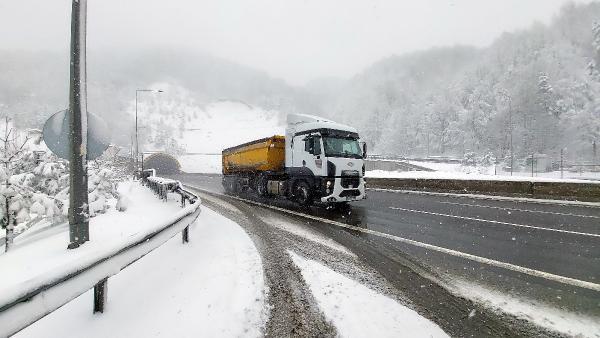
point(210, 287)
point(357, 311)
point(202, 285)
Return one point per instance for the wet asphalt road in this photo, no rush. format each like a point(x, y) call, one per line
point(555, 239)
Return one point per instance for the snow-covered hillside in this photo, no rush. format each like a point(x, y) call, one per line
point(196, 134)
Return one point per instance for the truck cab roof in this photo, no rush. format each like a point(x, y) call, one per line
point(301, 123)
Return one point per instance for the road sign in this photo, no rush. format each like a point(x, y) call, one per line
point(56, 135)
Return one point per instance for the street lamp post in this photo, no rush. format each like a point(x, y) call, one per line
point(508, 98)
point(136, 123)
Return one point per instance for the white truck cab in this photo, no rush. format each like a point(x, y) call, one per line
point(327, 156)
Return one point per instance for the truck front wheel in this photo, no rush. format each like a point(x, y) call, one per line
point(303, 193)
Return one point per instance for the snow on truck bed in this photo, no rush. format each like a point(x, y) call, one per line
point(211, 286)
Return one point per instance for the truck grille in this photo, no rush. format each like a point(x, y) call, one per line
point(351, 192)
point(350, 178)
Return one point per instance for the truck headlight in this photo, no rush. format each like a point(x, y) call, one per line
point(329, 185)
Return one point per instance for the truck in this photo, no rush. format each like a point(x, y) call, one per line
point(317, 160)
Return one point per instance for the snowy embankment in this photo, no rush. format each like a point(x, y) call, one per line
point(196, 133)
point(457, 175)
point(209, 287)
point(221, 125)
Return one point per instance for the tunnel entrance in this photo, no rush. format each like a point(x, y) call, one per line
point(164, 164)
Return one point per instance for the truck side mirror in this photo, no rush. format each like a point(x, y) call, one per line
point(364, 146)
point(308, 144)
point(316, 145)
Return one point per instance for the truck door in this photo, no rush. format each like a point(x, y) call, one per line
point(308, 155)
point(314, 153)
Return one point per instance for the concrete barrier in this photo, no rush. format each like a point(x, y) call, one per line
point(589, 192)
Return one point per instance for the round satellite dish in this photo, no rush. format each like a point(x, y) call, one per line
point(56, 135)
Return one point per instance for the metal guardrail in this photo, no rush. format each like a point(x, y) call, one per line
point(21, 310)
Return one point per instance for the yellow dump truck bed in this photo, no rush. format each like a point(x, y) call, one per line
point(267, 154)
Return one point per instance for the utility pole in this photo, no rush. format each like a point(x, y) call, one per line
point(561, 163)
point(532, 164)
point(78, 180)
point(512, 156)
point(507, 97)
point(136, 131)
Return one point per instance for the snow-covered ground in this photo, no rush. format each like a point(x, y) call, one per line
point(198, 132)
point(205, 164)
point(39, 255)
point(461, 175)
point(301, 231)
point(212, 286)
point(221, 125)
point(498, 171)
point(571, 324)
point(357, 311)
point(225, 124)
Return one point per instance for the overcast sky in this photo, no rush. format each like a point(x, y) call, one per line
point(297, 40)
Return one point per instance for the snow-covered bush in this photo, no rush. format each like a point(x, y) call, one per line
point(469, 159)
point(473, 164)
point(487, 160)
point(34, 183)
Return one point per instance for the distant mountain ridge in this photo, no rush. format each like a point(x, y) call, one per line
point(539, 87)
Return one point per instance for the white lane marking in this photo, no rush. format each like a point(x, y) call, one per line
point(517, 209)
point(497, 222)
point(532, 272)
point(493, 198)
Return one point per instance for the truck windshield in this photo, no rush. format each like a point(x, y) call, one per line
point(341, 147)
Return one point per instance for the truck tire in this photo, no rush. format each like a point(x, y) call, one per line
point(237, 186)
point(303, 193)
point(227, 185)
point(261, 185)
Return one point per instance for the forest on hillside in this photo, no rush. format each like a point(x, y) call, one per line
point(532, 91)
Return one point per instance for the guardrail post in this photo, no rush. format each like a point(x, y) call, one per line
point(185, 235)
point(100, 293)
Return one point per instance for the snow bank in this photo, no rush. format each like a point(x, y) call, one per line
point(357, 311)
point(471, 172)
point(439, 166)
point(31, 262)
point(543, 315)
point(211, 287)
point(303, 231)
point(465, 176)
